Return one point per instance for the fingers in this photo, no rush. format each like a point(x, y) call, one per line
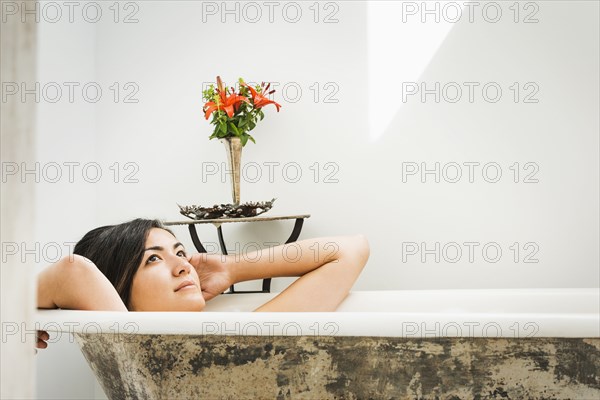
point(42, 336)
point(198, 259)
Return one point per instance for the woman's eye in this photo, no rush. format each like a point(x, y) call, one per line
point(152, 258)
point(181, 253)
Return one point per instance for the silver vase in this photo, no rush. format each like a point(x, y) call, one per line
point(233, 147)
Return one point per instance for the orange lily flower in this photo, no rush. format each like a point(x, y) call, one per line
point(228, 103)
point(259, 100)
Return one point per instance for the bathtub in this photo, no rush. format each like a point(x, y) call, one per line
point(412, 344)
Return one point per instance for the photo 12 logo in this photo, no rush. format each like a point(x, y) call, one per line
point(453, 252)
point(253, 252)
point(53, 12)
point(270, 328)
point(469, 172)
point(121, 332)
point(69, 92)
point(271, 171)
point(253, 12)
point(69, 172)
point(47, 252)
point(452, 12)
point(293, 92)
point(471, 329)
point(469, 92)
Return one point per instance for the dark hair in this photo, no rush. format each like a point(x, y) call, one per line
point(117, 251)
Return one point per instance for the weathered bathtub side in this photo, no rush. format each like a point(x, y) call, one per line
point(342, 367)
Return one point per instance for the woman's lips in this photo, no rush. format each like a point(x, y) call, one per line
point(185, 285)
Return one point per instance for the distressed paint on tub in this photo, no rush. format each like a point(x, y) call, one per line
point(329, 367)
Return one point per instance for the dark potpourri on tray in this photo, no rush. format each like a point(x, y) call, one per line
point(249, 209)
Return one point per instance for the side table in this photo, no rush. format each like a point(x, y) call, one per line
point(266, 288)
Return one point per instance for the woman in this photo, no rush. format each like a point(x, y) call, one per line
point(141, 266)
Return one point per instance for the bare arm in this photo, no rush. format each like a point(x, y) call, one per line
point(328, 267)
point(76, 283)
point(326, 277)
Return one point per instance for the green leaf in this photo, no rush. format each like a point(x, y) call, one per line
point(262, 115)
point(215, 133)
point(234, 129)
point(223, 127)
point(251, 138)
point(244, 139)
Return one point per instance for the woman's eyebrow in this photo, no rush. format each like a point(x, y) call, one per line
point(160, 248)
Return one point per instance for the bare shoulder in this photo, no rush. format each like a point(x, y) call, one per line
point(74, 282)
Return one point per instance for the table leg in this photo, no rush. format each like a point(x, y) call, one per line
point(223, 251)
point(195, 239)
point(296, 232)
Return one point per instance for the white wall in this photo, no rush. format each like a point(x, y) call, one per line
point(559, 215)
point(67, 207)
point(171, 51)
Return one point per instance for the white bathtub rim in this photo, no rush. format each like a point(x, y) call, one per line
point(354, 323)
point(379, 324)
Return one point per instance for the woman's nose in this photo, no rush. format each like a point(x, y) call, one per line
point(182, 267)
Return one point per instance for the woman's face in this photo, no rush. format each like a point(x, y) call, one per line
point(165, 280)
